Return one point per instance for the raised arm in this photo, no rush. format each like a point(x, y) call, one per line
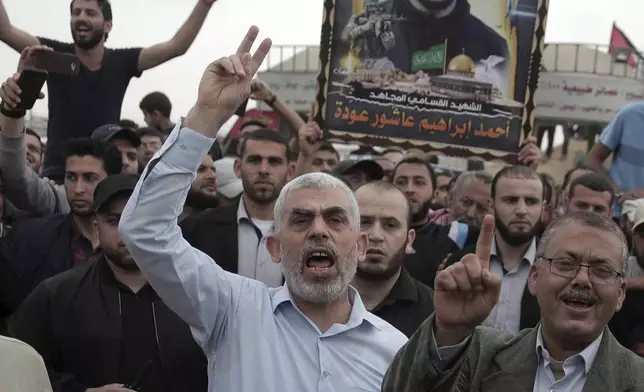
point(13, 36)
point(158, 54)
point(21, 185)
point(188, 281)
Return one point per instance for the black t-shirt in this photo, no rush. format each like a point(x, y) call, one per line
point(408, 304)
point(80, 104)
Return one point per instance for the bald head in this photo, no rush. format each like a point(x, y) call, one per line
point(380, 198)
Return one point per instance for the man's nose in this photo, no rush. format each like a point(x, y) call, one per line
point(375, 233)
point(319, 228)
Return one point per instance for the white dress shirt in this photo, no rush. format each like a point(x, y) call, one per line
point(254, 261)
point(255, 337)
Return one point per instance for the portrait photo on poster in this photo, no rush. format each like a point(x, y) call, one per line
point(453, 76)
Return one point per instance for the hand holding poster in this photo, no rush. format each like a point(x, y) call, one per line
point(456, 76)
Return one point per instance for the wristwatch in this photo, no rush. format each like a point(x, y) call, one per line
point(11, 113)
point(271, 101)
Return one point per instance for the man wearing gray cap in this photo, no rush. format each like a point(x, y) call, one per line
point(357, 173)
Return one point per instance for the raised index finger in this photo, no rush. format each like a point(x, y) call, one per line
point(248, 41)
point(484, 243)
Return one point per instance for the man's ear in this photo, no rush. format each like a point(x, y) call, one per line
point(532, 279)
point(411, 236)
point(273, 247)
point(237, 167)
point(363, 240)
point(107, 26)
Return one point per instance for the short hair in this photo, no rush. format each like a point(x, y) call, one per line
point(466, 177)
point(267, 135)
point(566, 179)
point(417, 161)
point(141, 132)
point(105, 152)
point(125, 123)
point(595, 182)
point(328, 147)
point(248, 123)
point(517, 171)
point(33, 133)
point(587, 219)
point(384, 186)
point(156, 101)
point(548, 190)
point(103, 5)
point(315, 181)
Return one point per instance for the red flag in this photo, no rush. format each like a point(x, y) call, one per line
point(622, 48)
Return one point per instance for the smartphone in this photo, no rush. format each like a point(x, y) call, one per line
point(31, 82)
point(57, 62)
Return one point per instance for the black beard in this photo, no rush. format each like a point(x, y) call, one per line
point(423, 213)
point(261, 197)
point(393, 267)
point(117, 259)
point(82, 214)
point(90, 42)
point(515, 239)
point(201, 201)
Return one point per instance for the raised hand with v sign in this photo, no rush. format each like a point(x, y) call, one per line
point(225, 85)
point(466, 292)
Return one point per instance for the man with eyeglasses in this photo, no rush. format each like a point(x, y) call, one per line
point(578, 279)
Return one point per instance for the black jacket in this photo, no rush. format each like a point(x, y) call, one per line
point(214, 232)
point(34, 250)
point(432, 245)
point(73, 321)
point(530, 311)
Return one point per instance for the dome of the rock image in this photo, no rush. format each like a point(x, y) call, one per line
point(461, 64)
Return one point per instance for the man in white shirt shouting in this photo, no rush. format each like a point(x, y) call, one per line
point(312, 334)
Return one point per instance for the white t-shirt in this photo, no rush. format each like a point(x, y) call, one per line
point(21, 368)
point(634, 269)
point(263, 226)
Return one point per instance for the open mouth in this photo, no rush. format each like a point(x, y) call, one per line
point(320, 261)
point(579, 303)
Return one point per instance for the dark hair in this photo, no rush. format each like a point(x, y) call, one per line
point(547, 190)
point(156, 101)
point(141, 132)
point(104, 6)
point(636, 337)
point(384, 186)
point(128, 124)
point(595, 182)
point(107, 153)
point(267, 135)
point(248, 123)
point(328, 147)
point(517, 171)
point(417, 161)
point(569, 173)
point(33, 133)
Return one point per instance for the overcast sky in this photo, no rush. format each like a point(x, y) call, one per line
point(287, 22)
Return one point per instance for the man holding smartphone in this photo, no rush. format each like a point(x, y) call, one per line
point(80, 103)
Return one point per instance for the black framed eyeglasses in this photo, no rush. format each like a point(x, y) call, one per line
point(566, 267)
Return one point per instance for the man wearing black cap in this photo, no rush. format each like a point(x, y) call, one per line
point(357, 173)
point(102, 325)
point(126, 140)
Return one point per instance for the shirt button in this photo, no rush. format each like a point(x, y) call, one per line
point(183, 146)
point(327, 374)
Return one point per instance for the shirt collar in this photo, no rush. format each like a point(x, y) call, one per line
point(404, 289)
point(530, 254)
point(587, 355)
point(242, 214)
point(358, 315)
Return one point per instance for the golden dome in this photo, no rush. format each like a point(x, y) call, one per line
point(461, 64)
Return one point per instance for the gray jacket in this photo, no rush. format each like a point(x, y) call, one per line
point(22, 186)
point(494, 361)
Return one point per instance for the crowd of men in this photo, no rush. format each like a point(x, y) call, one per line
point(145, 259)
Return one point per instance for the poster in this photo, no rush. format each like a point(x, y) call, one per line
point(454, 76)
point(270, 118)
